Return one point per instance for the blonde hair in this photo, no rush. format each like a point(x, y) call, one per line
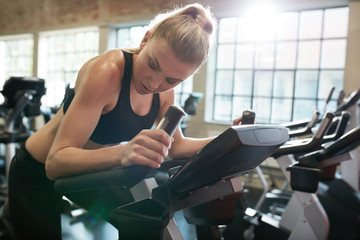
point(188, 30)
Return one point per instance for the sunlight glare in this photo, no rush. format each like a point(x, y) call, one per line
point(261, 19)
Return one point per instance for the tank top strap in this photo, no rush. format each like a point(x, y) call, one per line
point(124, 97)
point(128, 70)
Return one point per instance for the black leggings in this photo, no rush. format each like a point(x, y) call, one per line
point(33, 202)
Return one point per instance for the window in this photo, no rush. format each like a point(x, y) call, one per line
point(282, 67)
point(130, 37)
point(61, 55)
point(16, 57)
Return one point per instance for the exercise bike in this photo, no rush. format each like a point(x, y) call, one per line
point(210, 174)
point(22, 103)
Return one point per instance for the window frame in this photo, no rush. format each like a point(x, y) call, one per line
point(212, 70)
point(43, 59)
point(6, 74)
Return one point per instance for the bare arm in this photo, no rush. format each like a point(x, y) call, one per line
point(185, 147)
point(96, 93)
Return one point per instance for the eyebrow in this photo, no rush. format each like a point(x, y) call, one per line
point(158, 67)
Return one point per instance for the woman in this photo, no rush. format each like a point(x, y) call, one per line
point(117, 97)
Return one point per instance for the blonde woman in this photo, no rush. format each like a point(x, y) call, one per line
point(117, 97)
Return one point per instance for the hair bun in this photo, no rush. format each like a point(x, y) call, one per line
point(200, 18)
point(192, 11)
point(208, 27)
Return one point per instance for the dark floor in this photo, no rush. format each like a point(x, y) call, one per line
point(101, 230)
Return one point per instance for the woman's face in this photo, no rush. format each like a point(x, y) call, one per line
point(157, 69)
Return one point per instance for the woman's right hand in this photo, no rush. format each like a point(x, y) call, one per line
point(149, 147)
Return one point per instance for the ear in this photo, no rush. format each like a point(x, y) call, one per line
point(145, 39)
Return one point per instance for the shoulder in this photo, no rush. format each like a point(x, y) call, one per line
point(103, 69)
point(100, 78)
point(109, 62)
point(167, 98)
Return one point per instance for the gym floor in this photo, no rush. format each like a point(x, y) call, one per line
point(93, 229)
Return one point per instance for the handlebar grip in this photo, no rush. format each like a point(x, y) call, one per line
point(171, 120)
point(330, 94)
point(248, 117)
point(341, 97)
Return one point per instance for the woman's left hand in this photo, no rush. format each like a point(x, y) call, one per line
point(237, 121)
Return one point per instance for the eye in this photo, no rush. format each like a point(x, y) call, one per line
point(152, 65)
point(172, 81)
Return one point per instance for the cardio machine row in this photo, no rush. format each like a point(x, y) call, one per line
point(323, 200)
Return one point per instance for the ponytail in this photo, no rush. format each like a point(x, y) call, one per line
point(188, 31)
point(200, 17)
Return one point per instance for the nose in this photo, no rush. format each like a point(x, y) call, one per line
point(155, 83)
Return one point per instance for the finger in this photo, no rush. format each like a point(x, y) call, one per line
point(146, 142)
point(237, 121)
point(163, 137)
point(142, 160)
point(137, 154)
point(154, 155)
point(159, 135)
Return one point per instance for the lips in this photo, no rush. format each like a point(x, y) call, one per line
point(145, 89)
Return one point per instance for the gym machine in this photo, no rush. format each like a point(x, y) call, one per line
point(189, 108)
point(22, 100)
point(314, 228)
point(212, 173)
point(314, 222)
point(340, 201)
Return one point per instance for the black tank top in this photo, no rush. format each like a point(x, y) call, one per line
point(121, 124)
